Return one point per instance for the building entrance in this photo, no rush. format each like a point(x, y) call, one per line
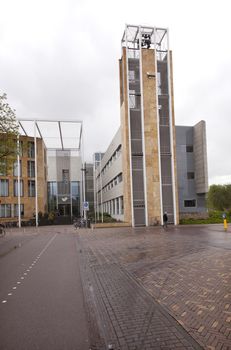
point(64, 209)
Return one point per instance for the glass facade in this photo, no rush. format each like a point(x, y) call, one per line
point(52, 196)
point(64, 197)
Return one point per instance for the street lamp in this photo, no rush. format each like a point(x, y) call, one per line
point(84, 171)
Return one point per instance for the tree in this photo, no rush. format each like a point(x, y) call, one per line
point(219, 197)
point(9, 130)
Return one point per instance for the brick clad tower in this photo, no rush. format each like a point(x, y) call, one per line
point(147, 126)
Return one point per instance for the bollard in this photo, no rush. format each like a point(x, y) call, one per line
point(225, 225)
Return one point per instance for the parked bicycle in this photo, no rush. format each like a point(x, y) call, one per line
point(79, 223)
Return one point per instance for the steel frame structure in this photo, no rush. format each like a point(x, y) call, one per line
point(61, 145)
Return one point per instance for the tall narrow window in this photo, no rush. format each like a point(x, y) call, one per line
point(122, 205)
point(159, 83)
point(16, 170)
point(31, 188)
point(31, 168)
point(2, 167)
point(16, 188)
point(31, 149)
point(4, 188)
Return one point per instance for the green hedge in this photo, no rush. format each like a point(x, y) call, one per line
point(215, 217)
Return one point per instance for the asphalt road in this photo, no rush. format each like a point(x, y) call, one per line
point(41, 297)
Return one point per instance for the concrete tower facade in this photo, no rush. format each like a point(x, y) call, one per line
point(147, 126)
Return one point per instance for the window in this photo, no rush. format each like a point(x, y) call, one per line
point(117, 206)
point(159, 83)
point(120, 177)
point(131, 75)
point(3, 167)
point(16, 210)
point(190, 203)
point(75, 189)
point(31, 188)
point(16, 188)
point(31, 149)
point(122, 205)
point(15, 171)
point(31, 168)
point(4, 188)
point(190, 175)
point(5, 210)
point(189, 148)
point(132, 99)
point(65, 175)
point(20, 150)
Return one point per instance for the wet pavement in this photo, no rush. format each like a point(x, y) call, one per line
point(158, 289)
point(124, 288)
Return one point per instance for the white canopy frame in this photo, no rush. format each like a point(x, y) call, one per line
point(56, 135)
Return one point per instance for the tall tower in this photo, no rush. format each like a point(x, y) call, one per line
point(147, 125)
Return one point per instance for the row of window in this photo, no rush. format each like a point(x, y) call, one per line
point(4, 188)
point(115, 155)
point(30, 169)
point(27, 149)
point(11, 210)
point(114, 206)
point(113, 183)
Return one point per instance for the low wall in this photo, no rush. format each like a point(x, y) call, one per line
point(196, 215)
point(110, 225)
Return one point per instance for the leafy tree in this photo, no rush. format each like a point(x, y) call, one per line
point(9, 130)
point(219, 197)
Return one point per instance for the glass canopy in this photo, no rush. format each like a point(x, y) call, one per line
point(59, 135)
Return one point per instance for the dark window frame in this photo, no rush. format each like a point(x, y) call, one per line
point(191, 203)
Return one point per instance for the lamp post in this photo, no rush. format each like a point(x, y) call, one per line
point(84, 171)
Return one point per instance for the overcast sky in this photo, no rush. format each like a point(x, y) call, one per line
point(59, 59)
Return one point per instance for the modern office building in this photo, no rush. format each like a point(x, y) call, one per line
point(192, 171)
point(136, 179)
point(48, 170)
point(109, 189)
point(64, 182)
point(17, 189)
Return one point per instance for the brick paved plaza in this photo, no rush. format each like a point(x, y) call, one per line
point(157, 289)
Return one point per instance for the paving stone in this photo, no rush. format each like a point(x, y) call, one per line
point(148, 284)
